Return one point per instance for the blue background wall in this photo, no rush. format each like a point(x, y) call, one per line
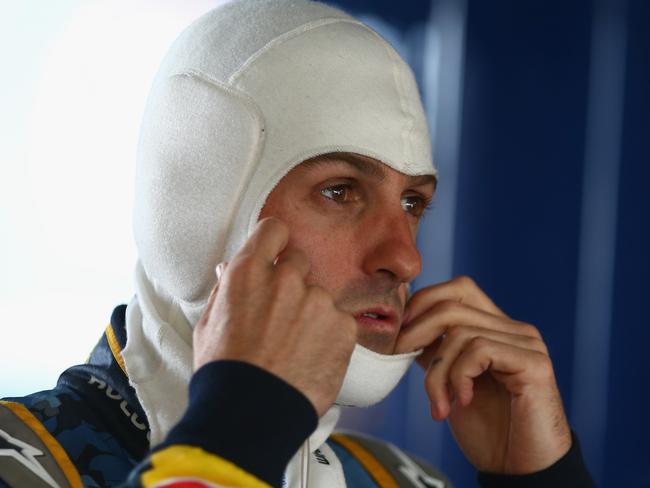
point(540, 123)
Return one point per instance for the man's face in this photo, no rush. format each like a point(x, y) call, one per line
point(356, 219)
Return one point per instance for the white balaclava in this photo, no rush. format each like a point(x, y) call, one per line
point(246, 93)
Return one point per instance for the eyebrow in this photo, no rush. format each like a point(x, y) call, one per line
point(370, 168)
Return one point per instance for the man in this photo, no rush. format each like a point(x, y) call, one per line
point(284, 145)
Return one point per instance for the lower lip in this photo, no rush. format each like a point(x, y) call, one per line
point(377, 325)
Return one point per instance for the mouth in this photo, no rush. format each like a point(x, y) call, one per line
point(378, 319)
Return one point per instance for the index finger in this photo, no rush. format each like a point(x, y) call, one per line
point(461, 289)
point(268, 240)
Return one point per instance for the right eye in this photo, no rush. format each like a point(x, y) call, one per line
point(339, 193)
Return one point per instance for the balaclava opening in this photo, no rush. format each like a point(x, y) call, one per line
point(246, 93)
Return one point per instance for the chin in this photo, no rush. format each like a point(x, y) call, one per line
point(380, 344)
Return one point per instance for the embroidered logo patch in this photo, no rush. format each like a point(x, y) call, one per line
point(26, 455)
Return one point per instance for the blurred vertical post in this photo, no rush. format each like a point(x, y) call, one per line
point(442, 81)
point(598, 229)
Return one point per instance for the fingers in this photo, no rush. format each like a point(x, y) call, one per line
point(513, 366)
point(467, 338)
point(269, 238)
point(457, 359)
point(443, 316)
point(461, 289)
point(262, 311)
point(268, 246)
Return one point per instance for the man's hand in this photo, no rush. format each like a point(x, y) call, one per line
point(491, 376)
point(263, 313)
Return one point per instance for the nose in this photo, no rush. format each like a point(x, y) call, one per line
point(391, 248)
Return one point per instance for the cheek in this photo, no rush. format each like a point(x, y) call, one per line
point(332, 259)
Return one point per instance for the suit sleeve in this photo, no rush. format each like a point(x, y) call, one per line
point(241, 428)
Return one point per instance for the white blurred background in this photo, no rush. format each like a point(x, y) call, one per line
point(75, 75)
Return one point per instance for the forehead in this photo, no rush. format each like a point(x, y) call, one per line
point(363, 164)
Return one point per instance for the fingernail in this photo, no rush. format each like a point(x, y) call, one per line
point(219, 271)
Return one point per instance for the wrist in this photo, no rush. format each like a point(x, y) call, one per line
point(568, 471)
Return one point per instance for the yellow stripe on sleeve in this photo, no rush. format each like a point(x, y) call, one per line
point(374, 468)
point(180, 460)
point(115, 347)
point(57, 451)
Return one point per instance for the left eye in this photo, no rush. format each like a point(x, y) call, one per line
point(414, 205)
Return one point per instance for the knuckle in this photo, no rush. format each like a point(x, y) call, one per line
point(477, 343)
point(465, 282)
point(531, 330)
point(543, 348)
point(456, 332)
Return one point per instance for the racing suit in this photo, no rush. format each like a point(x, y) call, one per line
point(90, 430)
